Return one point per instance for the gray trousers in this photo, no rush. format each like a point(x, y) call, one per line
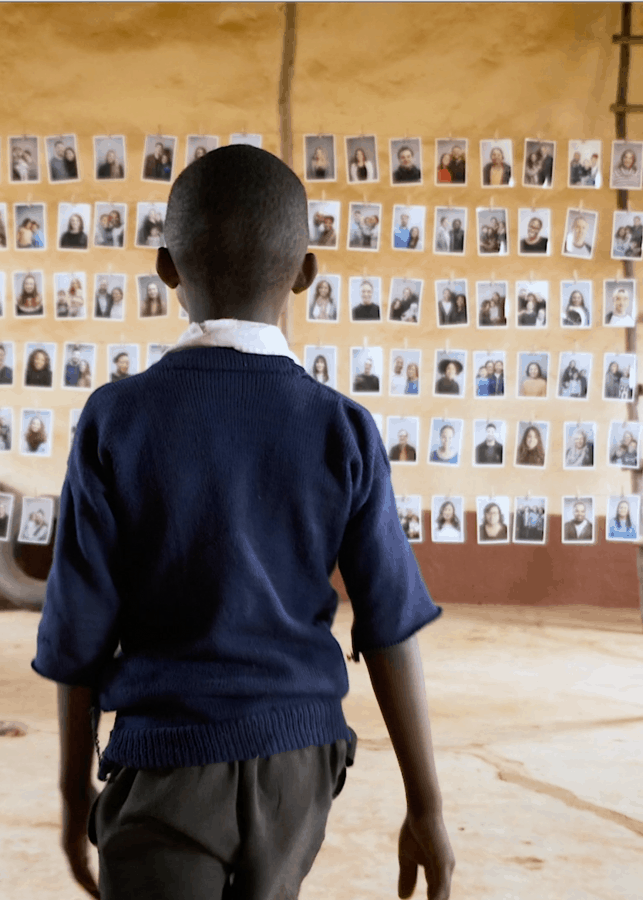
point(228, 831)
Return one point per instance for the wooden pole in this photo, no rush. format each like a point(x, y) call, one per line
point(285, 118)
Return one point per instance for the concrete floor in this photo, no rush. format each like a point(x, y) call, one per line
point(537, 718)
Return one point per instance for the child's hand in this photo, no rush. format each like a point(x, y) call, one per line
point(424, 842)
point(75, 840)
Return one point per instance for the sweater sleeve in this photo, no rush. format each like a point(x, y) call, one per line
point(78, 631)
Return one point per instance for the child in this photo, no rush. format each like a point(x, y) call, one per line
point(206, 503)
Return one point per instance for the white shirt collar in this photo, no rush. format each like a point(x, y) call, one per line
point(246, 337)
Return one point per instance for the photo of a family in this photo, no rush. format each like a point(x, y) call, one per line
point(450, 230)
point(361, 158)
point(402, 439)
point(365, 226)
point(109, 157)
point(623, 444)
point(109, 297)
point(323, 223)
point(447, 519)
point(37, 520)
point(574, 375)
point(496, 158)
point(409, 511)
point(70, 290)
point(24, 163)
point(530, 520)
point(408, 227)
point(158, 157)
point(319, 157)
point(532, 298)
point(62, 156)
point(31, 227)
point(620, 376)
point(405, 300)
point(491, 301)
point(489, 373)
point(576, 304)
point(323, 298)
point(451, 156)
point(539, 163)
point(627, 235)
point(406, 161)
point(585, 164)
point(451, 301)
point(492, 232)
point(111, 221)
point(150, 224)
point(28, 293)
point(580, 441)
point(321, 364)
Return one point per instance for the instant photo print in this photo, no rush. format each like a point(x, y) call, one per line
point(323, 223)
point(532, 300)
point(538, 170)
point(109, 157)
point(152, 296)
point(626, 169)
point(321, 364)
point(409, 511)
point(493, 235)
point(578, 526)
point(623, 445)
point(109, 297)
point(197, 145)
point(122, 361)
point(580, 443)
point(489, 442)
point(4, 224)
point(402, 439)
point(361, 159)
point(7, 502)
point(530, 520)
point(584, 164)
point(365, 226)
point(493, 519)
point(405, 373)
point(534, 232)
point(150, 224)
point(155, 352)
point(110, 224)
point(28, 292)
point(533, 372)
point(623, 519)
point(36, 432)
point(324, 297)
point(31, 226)
point(70, 294)
point(451, 161)
point(574, 375)
point(450, 373)
point(408, 227)
point(496, 158)
point(365, 294)
point(74, 226)
point(451, 301)
point(627, 235)
point(405, 297)
point(319, 157)
point(40, 364)
point(619, 303)
point(576, 304)
point(6, 429)
point(406, 161)
point(619, 376)
point(489, 373)
point(250, 140)
point(492, 304)
point(158, 157)
point(37, 520)
point(7, 364)
point(531, 444)
point(62, 158)
point(445, 442)
point(79, 366)
point(447, 520)
point(450, 230)
point(366, 370)
point(581, 227)
point(24, 163)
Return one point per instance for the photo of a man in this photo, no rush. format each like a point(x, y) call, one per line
point(366, 368)
point(580, 232)
point(159, 158)
point(534, 231)
point(62, 156)
point(364, 307)
point(405, 161)
point(489, 452)
point(579, 528)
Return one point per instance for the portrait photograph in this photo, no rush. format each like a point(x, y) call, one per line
point(319, 157)
point(150, 224)
point(70, 290)
point(24, 164)
point(158, 157)
point(445, 442)
point(40, 363)
point(620, 376)
point(62, 158)
point(584, 164)
point(156, 352)
point(538, 170)
point(406, 161)
point(109, 296)
point(402, 439)
point(361, 159)
point(110, 223)
point(496, 159)
point(321, 364)
point(6, 429)
point(28, 293)
point(365, 226)
point(450, 230)
point(451, 161)
point(580, 441)
point(405, 298)
point(323, 298)
point(408, 227)
point(493, 238)
point(530, 520)
point(6, 515)
point(623, 518)
point(493, 519)
point(365, 299)
point(405, 373)
point(79, 365)
point(4, 222)
point(74, 226)
point(623, 446)
point(576, 304)
point(580, 233)
point(627, 235)
point(122, 361)
point(249, 140)
point(574, 375)
point(619, 303)
point(409, 511)
point(577, 520)
point(532, 300)
point(152, 296)
point(534, 232)
point(531, 444)
point(489, 441)
point(323, 223)
point(36, 521)
point(533, 370)
point(197, 145)
point(74, 416)
point(7, 363)
point(109, 157)
point(489, 373)
point(451, 303)
point(447, 519)
point(625, 166)
point(36, 432)
point(367, 367)
point(492, 304)
point(31, 226)
point(450, 373)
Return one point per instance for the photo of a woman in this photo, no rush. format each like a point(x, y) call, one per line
point(576, 313)
point(447, 526)
point(535, 383)
point(444, 173)
point(531, 449)
point(445, 452)
point(319, 164)
point(320, 369)
point(580, 450)
point(153, 301)
point(623, 525)
point(493, 526)
point(448, 369)
point(323, 307)
point(29, 300)
point(38, 370)
point(361, 168)
point(496, 172)
point(626, 172)
point(412, 379)
point(35, 435)
point(74, 238)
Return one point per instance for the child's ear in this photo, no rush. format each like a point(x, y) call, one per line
point(306, 274)
point(165, 267)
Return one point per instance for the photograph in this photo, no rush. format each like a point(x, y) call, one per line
point(365, 299)
point(321, 364)
point(197, 145)
point(6, 428)
point(585, 164)
point(110, 223)
point(450, 230)
point(623, 518)
point(109, 296)
point(574, 375)
point(493, 519)
point(62, 158)
point(404, 300)
point(28, 293)
point(4, 223)
point(450, 372)
point(580, 440)
point(365, 226)
point(155, 352)
point(625, 167)
point(489, 440)
point(323, 298)
point(249, 140)
point(578, 520)
point(445, 442)
point(323, 223)
point(409, 511)
point(319, 157)
point(492, 232)
point(406, 160)
point(619, 303)
point(37, 520)
point(402, 438)
point(408, 227)
point(620, 376)
point(74, 416)
point(7, 363)
point(109, 157)
point(496, 159)
point(24, 164)
point(489, 373)
point(40, 363)
point(530, 520)
point(70, 292)
point(491, 302)
point(627, 235)
point(451, 301)
point(361, 159)
point(158, 157)
point(531, 443)
point(79, 365)
point(533, 371)
point(31, 226)
point(405, 373)
point(152, 296)
point(580, 233)
point(36, 432)
point(532, 300)
point(447, 520)
point(122, 361)
point(6, 515)
point(451, 161)
point(74, 225)
point(150, 222)
point(538, 170)
point(366, 370)
point(576, 304)
point(623, 445)
point(534, 232)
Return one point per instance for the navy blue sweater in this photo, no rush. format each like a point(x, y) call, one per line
point(206, 503)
